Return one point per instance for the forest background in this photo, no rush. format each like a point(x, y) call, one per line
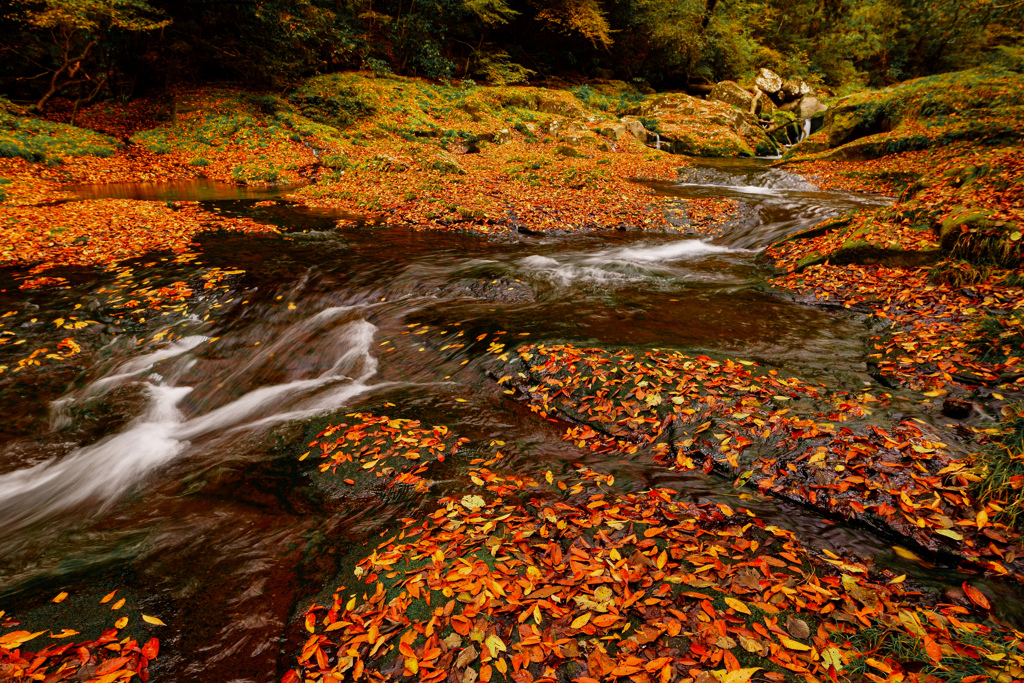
point(85, 49)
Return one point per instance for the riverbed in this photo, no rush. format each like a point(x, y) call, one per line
point(170, 470)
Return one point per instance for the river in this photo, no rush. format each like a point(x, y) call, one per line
point(170, 470)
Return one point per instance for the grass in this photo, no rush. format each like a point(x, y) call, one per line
point(37, 140)
point(879, 642)
point(1000, 468)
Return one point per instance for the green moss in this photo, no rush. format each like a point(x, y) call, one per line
point(37, 140)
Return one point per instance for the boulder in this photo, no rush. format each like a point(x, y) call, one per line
point(615, 131)
point(768, 81)
point(565, 130)
point(636, 129)
point(502, 136)
point(567, 151)
point(805, 107)
point(562, 107)
point(794, 90)
point(443, 163)
point(730, 93)
point(463, 146)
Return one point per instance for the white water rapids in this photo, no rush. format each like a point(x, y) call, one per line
point(100, 473)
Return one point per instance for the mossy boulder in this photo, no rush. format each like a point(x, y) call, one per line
point(978, 237)
point(976, 104)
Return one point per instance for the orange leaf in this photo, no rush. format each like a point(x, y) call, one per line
point(976, 596)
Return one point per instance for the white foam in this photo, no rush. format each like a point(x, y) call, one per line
point(671, 251)
point(101, 473)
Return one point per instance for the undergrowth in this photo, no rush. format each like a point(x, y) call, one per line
point(1000, 468)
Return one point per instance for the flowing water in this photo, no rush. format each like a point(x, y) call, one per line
point(170, 470)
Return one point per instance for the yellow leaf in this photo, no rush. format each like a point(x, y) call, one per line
point(580, 622)
point(792, 644)
point(899, 579)
point(15, 639)
point(119, 604)
point(737, 605)
point(66, 633)
point(662, 560)
point(737, 676)
point(905, 554)
point(152, 620)
point(412, 664)
point(982, 518)
point(121, 623)
point(911, 623)
point(549, 477)
point(60, 597)
point(495, 644)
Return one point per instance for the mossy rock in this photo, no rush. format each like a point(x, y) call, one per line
point(858, 252)
point(443, 163)
point(571, 152)
point(972, 235)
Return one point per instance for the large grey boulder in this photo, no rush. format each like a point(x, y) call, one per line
point(768, 81)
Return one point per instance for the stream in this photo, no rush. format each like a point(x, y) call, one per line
point(169, 470)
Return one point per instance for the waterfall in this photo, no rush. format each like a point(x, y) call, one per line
point(657, 141)
point(805, 131)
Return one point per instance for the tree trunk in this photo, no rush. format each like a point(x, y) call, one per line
point(709, 10)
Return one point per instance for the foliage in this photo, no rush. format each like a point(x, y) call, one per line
point(663, 42)
point(72, 40)
point(1000, 467)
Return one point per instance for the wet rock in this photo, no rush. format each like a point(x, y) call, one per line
point(768, 81)
point(502, 289)
point(957, 408)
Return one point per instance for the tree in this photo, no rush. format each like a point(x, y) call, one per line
point(71, 37)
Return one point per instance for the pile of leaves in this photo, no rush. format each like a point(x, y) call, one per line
point(104, 232)
point(782, 435)
point(934, 335)
point(643, 587)
point(112, 656)
point(395, 449)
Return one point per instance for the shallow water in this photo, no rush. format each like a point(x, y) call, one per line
point(193, 499)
